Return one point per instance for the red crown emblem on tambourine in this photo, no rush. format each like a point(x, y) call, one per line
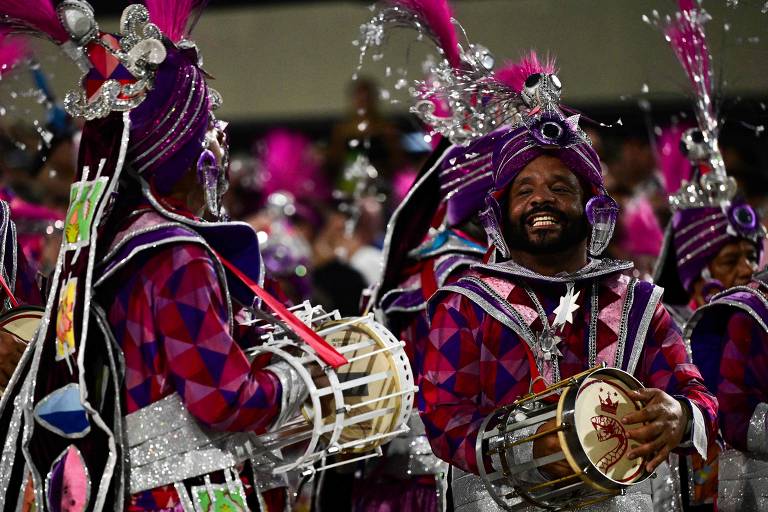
point(607, 405)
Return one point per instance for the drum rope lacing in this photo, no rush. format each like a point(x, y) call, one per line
point(548, 330)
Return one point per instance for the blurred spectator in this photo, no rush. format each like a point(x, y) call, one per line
point(364, 131)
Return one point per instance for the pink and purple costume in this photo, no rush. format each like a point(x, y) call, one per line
point(729, 341)
point(136, 393)
point(491, 335)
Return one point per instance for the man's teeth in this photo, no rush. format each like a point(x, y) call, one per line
point(545, 220)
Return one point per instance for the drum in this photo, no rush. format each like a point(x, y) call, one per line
point(22, 322)
point(587, 416)
point(350, 411)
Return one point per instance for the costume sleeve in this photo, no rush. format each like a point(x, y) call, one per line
point(450, 388)
point(665, 364)
point(207, 367)
point(743, 385)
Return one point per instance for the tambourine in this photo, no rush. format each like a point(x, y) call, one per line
point(593, 439)
point(353, 409)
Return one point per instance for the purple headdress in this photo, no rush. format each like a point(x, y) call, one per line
point(705, 217)
point(544, 128)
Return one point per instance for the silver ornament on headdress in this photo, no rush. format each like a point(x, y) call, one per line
point(477, 102)
point(714, 189)
point(140, 49)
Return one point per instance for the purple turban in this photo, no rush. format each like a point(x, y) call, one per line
point(168, 128)
point(549, 134)
point(695, 236)
point(466, 174)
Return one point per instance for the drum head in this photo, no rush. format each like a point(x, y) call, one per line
point(601, 403)
point(389, 381)
point(22, 322)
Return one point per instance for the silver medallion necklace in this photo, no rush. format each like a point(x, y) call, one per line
point(546, 350)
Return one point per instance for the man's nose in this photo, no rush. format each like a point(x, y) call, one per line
point(542, 195)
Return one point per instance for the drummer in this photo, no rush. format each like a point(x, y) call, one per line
point(546, 307)
point(157, 409)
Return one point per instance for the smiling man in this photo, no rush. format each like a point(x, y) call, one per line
point(545, 307)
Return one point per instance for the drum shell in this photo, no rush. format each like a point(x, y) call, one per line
point(346, 416)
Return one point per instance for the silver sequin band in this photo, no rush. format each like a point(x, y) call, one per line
point(743, 483)
point(294, 391)
point(470, 495)
point(411, 453)
point(757, 435)
point(167, 445)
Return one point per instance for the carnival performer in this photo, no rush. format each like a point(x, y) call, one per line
point(434, 235)
point(729, 341)
point(714, 240)
point(136, 394)
point(547, 307)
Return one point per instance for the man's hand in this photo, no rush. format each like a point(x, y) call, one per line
point(547, 445)
point(663, 420)
point(10, 353)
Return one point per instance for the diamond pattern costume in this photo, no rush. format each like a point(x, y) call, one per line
point(481, 352)
point(729, 342)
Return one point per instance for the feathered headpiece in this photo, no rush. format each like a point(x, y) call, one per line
point(705, 217)
point(685, 33)
point(515, 74)
point(462, 80)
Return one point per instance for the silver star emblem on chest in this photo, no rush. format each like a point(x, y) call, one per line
point(564, 312)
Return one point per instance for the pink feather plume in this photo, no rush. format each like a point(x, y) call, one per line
point(685, 33)
point(12, 50)
point(674, 165)
point(35, 17)
point(644, 234)
point(175, 18)
point(289, 164)
point(514, 74)
point(436, 15)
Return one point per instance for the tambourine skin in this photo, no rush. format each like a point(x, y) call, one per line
point(368, 397)
point(573, 439)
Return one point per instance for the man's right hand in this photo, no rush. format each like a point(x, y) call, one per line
point(11, 350)
point(547, 445)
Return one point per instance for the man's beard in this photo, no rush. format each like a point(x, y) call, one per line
point(574, 230)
